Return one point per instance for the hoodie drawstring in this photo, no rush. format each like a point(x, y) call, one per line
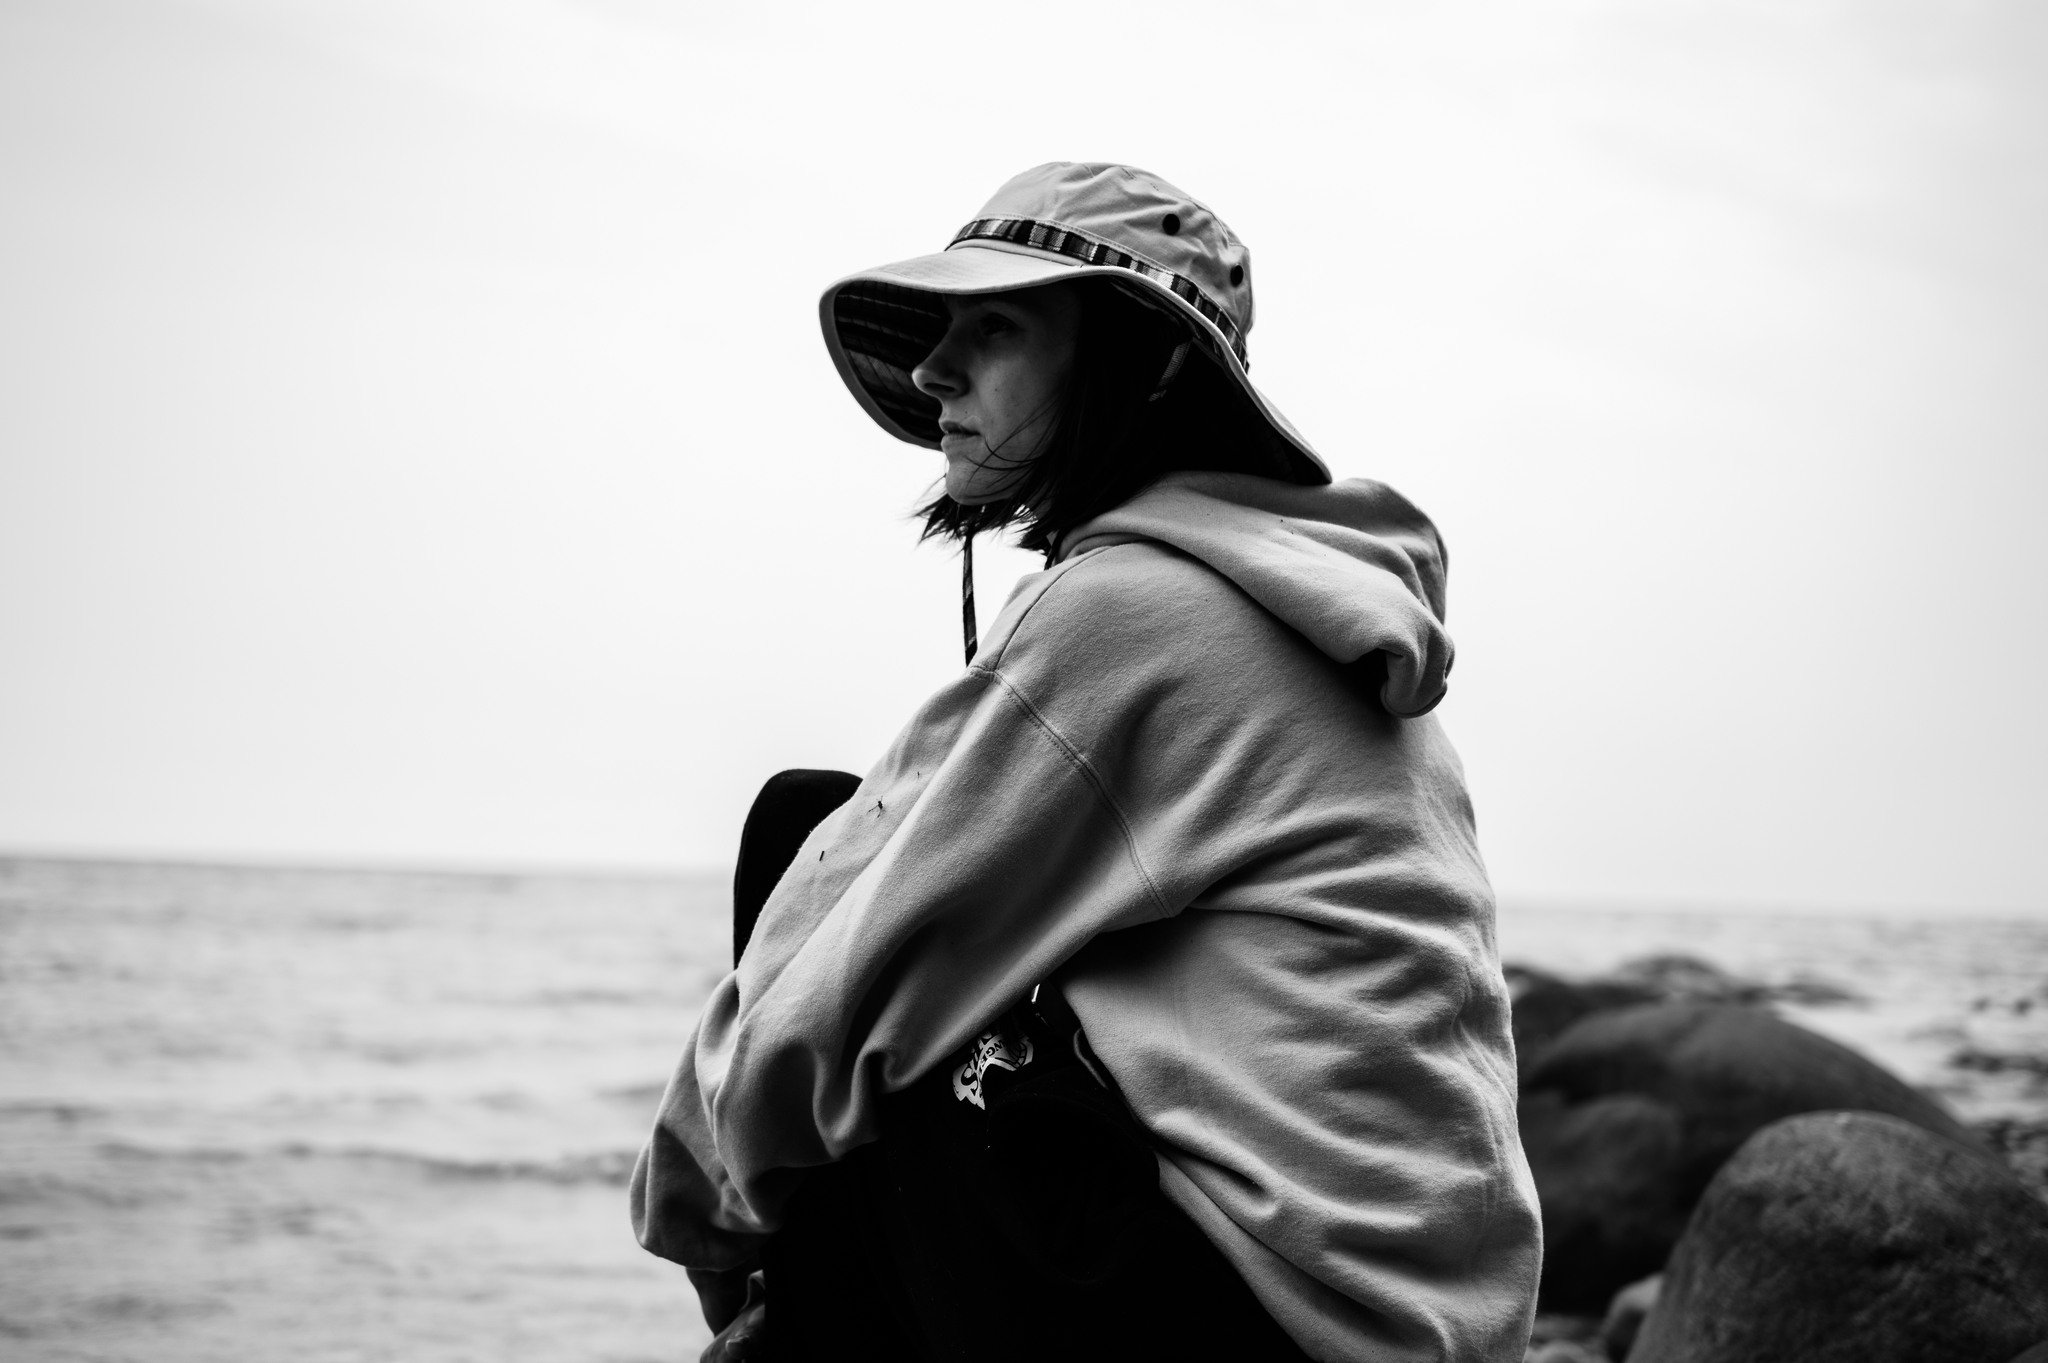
point(967, 631)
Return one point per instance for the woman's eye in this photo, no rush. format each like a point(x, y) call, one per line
point(993, 324)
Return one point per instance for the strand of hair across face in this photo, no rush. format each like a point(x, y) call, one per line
point(1173, 364)
point(967, 630)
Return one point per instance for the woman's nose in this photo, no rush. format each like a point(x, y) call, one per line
point(936, 375)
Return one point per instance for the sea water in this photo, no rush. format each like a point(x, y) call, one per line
point(337, 1116)
point(340, 1115)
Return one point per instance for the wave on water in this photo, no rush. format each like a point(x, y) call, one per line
point(595, 1166)
point(643, 1095)
point(63, 1112)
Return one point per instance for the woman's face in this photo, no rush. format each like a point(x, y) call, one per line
point(998, 374)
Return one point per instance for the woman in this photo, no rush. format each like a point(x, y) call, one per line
point(1178, 866)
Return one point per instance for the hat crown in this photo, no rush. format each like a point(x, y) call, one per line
point(1141, 214)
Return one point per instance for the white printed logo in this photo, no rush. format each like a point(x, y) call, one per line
point(992, 1049)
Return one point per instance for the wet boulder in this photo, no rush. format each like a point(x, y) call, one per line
point(1674, 977)
point(1852, 1237)
point(1625, 1316)
point(1628, 1113)
point(1545, 1004)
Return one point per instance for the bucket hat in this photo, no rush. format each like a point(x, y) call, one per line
point(1062, 220)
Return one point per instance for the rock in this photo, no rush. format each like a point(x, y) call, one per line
point(1625, 1316)
point(1629, 1112)
point(2024, 1144)
point(1562, 1351)
point(1677, 978)
point(2000, 1062)
point(1852, 1237)
point(1546, 1004)
point(1551, 1328)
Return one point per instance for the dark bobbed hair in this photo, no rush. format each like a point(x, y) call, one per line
point(1111, 438)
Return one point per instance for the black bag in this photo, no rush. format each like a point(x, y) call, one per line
point(1036, 1137)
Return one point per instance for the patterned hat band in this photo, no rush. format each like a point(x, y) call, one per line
point(1066, 241)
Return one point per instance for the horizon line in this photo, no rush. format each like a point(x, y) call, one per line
point(1507, 901)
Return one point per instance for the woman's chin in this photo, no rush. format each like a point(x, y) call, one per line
point(970, 490)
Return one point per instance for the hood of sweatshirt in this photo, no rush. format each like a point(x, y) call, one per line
point(1353, 566)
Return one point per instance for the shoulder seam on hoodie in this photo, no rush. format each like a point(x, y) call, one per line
point(1080, 763)
point(1060, 571)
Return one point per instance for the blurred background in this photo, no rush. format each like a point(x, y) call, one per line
point(418, 456)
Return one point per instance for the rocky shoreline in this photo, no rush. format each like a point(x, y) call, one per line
point(1722, 1185)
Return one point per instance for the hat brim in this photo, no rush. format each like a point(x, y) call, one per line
point(879, 324)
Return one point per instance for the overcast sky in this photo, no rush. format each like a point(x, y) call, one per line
point(416, 444)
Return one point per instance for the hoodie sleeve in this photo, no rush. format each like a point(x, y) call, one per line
point(978, 855)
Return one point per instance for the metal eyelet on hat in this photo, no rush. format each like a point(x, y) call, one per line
point(1236, 275)
point(1170, 224)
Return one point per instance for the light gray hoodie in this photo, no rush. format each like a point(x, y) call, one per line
point(1163, 782)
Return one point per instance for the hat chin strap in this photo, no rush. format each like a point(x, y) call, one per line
point(1179, 358)
point(968, 632)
